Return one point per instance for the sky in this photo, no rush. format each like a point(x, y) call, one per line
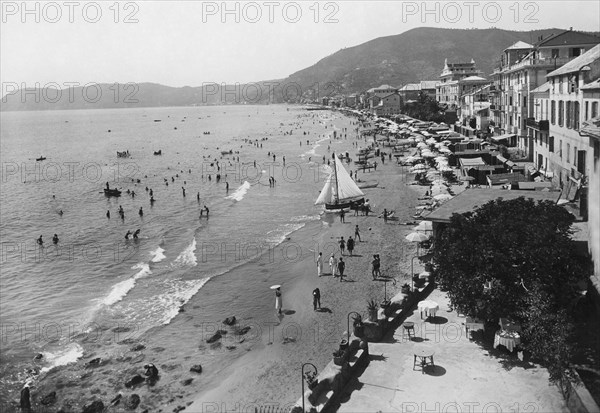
point(188, 43)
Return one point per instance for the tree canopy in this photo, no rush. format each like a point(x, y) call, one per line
point(515, 259)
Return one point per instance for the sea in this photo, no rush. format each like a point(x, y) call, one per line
point(55, 295)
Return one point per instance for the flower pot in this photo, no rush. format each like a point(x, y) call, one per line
point(343, 345)
point(313, 384)
point(373, 315)
point(405, 290)
point(338, 361)
point(359, 330)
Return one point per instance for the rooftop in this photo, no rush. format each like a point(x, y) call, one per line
point(568, 37)
point(519, 46)
point(473, 198)
point(579, 62)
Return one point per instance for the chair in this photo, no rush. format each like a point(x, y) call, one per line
point(407, 327)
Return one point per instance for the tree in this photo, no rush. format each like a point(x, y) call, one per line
point(424, 108)
point(515, 259)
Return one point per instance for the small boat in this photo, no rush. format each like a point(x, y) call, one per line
point(112, 192)
point(41, 158)
point(340, 191)
point(159, 152)
point(366, 185)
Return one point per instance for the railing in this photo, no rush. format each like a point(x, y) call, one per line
point(541, 125)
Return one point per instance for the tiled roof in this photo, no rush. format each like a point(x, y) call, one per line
point(576, 64)
point(568, 37)
point(519, 45)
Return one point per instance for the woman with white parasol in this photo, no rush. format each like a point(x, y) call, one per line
point(277, 289)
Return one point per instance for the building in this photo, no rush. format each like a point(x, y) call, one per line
point(523, 68)
point(569, 98)
point(381, 91)
point(447, 89)
point(411, 91)
point(386, 105)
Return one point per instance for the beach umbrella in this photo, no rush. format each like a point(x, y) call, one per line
point(417, 237)
point(442, 197)
point(424, 226)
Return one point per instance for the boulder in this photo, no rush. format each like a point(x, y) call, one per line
point(94, 362)
point(94, 407)
point(243, 331)
point(222, 332)
point(138, 347)
point(132, 402)
point(134, 381)
point(196, 368)
point(38, 356)
point(214, 337)
point(50, 398)
point(229, 321)
point(186, 382)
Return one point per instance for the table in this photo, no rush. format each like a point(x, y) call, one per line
point(423, 358)
point(473, 324)
point(428, 307)
point(508, 339)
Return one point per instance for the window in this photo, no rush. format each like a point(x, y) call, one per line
point(594, 109)
point(569, 114)
point(576, 115)
point(553, 112)
point(575, 51)
point(587, 110)
point(575, 155)
point(524, 101)
point(561, 113)
point(568, 152)
point(555, 53)
point(510, 100)
point(560, 148)
point(551, 149)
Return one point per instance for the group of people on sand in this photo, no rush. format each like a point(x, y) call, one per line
point(135, 234)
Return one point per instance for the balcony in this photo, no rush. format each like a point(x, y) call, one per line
point(539, 125)
point(539, 63)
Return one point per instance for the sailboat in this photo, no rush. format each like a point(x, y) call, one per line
point(340, 191)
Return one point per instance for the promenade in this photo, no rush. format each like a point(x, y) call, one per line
point(468, 376)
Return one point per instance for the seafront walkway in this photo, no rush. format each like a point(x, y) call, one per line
point(468, 376)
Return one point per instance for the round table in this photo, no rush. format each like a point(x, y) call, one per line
point(508, 339)
point(423, 358)
point(428, 307)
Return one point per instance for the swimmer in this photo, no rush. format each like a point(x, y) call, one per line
point(127, 235)
point(55, 239)
point(136, 233)
point(141, 212)
point(40, 241)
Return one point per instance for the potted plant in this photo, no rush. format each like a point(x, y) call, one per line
point(343, 344)
point(359, 328)
point(405, 289)
point(372, 309)
point(311, 379)
point(338, 357)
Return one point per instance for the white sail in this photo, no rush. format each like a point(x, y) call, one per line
point(339, 187)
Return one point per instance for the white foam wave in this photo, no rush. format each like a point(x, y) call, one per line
point(239, 193)
point(69, 354)
point(305, 218)
point(120, 290)
point(178, 293)
point(277, 236)
point(187, 256)
point(157, 255)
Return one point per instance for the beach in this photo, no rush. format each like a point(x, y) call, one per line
point(170, 294)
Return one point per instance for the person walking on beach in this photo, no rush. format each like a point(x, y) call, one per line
point(320, 264)
point(375, 267)
point(342, 245)
point(278, 300)
point(341, 268)
point(316, 299)
point(40, 241)
point(385, 215)
point(141, 212)
point(350, 244)
point(342, 216)
point(333, 265)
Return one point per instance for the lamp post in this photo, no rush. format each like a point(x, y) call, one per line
point(412, 272)
point(316, 372)
point(385, 281)
point(348, 318)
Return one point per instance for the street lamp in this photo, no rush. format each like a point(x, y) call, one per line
point(316, 372)
point(412, 272)
point(348, 318)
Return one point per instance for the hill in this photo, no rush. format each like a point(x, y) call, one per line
point(414, 55)
point(417, 54)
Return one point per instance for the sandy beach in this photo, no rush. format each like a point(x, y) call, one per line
point(269, 375)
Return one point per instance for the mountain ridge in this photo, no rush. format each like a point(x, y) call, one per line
point(411, 56)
